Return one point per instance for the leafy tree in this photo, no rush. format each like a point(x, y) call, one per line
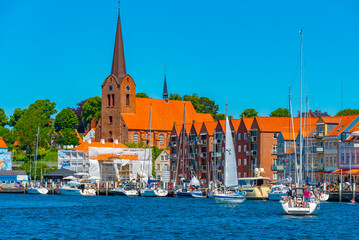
point(280, 112)
point(78, 112)
point(175, 96)
point(142, 95)
point(347, 111)
point(249, 113)
point(91, 109)
point(30, 168)
point(18, 112)
point(68, 136)
point(7, 135)
point(36, 115)
point(135, 145)
point(66, 119)
point(219, 116)
point(3, 117)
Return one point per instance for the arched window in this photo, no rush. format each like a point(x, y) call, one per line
point(135, 137)
point(161, 139)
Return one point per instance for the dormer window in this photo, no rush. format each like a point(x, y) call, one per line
point(128, 88)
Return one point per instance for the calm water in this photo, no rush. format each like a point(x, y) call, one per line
point(66, 217)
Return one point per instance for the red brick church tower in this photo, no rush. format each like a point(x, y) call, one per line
point(118, 96)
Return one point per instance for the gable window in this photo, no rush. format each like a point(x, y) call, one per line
point(127, 99)
point(135, 137)
point(110, 88)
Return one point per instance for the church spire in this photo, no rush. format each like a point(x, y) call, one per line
point(118, 62)
point(165, 94)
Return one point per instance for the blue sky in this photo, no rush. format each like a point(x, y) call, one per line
point(244, 51)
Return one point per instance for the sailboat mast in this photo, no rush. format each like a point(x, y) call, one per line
point(183, 138)
point(290, 132)
point(225, 149)
point(301, 107)
point(37, 146)
point(149, 144)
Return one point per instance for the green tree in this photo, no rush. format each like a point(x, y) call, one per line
point(3, 117)
point(347, 111)
point(66, 119)
point(40, 168)
point(142, 95)
point(7, 135)
point(280, 112)
point(219, 116)
point(135, 145)
point(16, 116)
point(68, 136)
point(36, 115)
point(249, 113)
point(175, 96)
point(91, 109)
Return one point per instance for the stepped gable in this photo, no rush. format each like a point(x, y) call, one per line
point(164, 114)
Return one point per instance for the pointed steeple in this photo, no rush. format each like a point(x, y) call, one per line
point(165, 94)
point(118, 62)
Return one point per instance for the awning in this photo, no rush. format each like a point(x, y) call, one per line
point(347, 171)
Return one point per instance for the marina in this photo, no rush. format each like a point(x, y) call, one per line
point(57, 217)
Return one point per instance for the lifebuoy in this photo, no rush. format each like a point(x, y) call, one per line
point(244, 193)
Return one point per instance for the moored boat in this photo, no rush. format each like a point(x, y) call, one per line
point(37, 190)
point(125, 190)
point(255, 188)
point(75, 188)
point(278, 192)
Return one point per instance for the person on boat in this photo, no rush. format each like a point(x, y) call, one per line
point(306, 197)
point(352, 200)
point(289, 196)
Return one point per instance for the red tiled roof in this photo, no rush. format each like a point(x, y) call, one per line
point(342, 125)
point(248, 122)
point(2, 143)
point(163, 114)
point(235, 123)
point(210, 127)
point(331, 119)
point(281, 124)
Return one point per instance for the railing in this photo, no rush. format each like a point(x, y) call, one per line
point(320, 150)
point(273, 151)
point(217, 141)
point(277, 168)
point(173, 155)
point(202, 142)
point(319, 134)
point(254, 152)
point(280, 151)
point(173, 143)
point(203, 154)
point(253, 138)
point(216, 154)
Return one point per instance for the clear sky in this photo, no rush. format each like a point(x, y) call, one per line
point(245, 51)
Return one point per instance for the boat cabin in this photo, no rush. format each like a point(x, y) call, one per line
point(254, 181)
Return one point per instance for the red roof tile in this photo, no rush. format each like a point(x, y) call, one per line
point(2, 143)
point(342, 125)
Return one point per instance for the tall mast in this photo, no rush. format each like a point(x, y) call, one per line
point(301, 107)
point(37, 146)
point(183, 138)
point(149, 143)
point(290, 132)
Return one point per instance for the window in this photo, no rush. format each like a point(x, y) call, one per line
point(239, 162)
point(113, 100)
point(239, 148)
point(239, 136)
point(330, 145)
point(110, 119)
point(245, 174)
point(158, 167)
point(244, 136)
point(110, 88)
point(274, 162)
point(245, 162)
point(135, 137)
point(166, 157)
point(239, 175)
point(326, 145)
point(275, 135)
point(275, 176)
point(162, 157)
point(326, 161)
point(161, 139)
point(330, 161)
point(127, 99)
point(108, 100)
point(245, 148)
point(12, 182)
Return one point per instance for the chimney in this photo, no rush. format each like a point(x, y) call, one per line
point(115, 141)
point(102, 141)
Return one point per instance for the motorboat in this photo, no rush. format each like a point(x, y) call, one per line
point(255, 188)
point(278, 192)
point(183, 192)
point(230, 173)
point(37, 190)
point(198, 194)
point(75, 188)
point(296, 206)
point(125, 190)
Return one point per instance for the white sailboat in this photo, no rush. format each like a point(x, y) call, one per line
point(37, 189)
point(230, 173)
point(151, 190)
point(300, 205)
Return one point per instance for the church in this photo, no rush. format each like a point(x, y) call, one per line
point(127, 118)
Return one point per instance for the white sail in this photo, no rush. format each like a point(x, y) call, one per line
point(230, 166)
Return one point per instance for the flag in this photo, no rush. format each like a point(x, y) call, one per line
point(1, 189)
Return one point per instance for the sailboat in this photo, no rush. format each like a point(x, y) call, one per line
point(230, 173)
point(152, 190)
point(303, 203)
point(37, 189)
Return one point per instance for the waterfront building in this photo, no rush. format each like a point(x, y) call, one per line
point(162, 166)
point(5, 156)
point(126, 118)
point(13, 178)
point(244, 166)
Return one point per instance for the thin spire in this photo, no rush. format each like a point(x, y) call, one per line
point(118, 62)
point(165, 93)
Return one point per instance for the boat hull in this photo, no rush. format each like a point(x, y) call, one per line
point(161, 192)
point(198, 195)
point(276, 196)
point(148, 193)
point(183, 194)
point(313, 209)
point(121, 192)
point(229, 198)
point(256, 193)
point(77, 192)
point(38, 191)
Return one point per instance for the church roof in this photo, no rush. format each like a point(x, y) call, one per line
point(164, 114)
point(118, 62)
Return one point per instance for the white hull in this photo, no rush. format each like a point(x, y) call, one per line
point(198, 195)
point(276, 196)
point(161, 192)
point(77, 192)
point(148, 193)
point(35, 190)
point(122, 192)
point(228, 198)
point(311, 210)
point(324, 197)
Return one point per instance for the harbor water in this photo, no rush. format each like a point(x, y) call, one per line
point(25, 216)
